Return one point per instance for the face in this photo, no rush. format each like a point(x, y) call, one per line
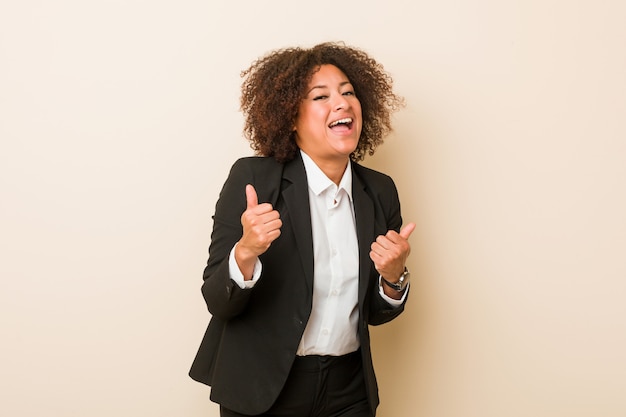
point(328, 125)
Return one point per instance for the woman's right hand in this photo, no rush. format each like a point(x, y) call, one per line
point(261, 226)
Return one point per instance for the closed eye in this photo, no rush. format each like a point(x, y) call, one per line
point(320, 97)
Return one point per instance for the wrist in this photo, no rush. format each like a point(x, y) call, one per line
point(401, 283)
point(244, 253)
point(245, 260)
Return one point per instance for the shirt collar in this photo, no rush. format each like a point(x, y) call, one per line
point(319, 182)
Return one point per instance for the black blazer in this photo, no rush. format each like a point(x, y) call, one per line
point(251, 341)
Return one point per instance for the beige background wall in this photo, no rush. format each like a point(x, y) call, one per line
point(119, 121)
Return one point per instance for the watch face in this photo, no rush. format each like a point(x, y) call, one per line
point(404, 279)
point(402, 282)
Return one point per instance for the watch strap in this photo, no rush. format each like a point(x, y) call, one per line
point(402, 282)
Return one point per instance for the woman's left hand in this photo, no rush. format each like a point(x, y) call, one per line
point(390, 251)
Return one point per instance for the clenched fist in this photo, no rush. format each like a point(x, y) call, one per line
point(261, 226)
point(390, 251)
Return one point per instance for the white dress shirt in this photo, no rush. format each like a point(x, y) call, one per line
point(332, 325)
point(331, 329)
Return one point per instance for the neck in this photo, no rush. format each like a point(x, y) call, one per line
point(334, 170)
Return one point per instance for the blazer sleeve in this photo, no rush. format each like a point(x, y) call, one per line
point(224, 298)
point(388, 203)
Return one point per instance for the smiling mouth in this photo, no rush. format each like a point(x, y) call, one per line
point(345, 123)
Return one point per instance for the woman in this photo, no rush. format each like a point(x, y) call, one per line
point(306, 249)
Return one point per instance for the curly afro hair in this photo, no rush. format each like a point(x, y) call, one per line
point(275, 84)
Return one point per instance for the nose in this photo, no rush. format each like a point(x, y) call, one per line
point(341, 103)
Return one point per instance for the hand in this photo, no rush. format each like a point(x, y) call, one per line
point(261, 226)
point(389, 252)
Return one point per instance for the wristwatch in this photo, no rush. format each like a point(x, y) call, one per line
point(402, 282)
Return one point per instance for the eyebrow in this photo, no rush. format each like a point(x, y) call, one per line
point(341, 84)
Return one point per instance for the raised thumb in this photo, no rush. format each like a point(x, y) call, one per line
point(251, 198)
point(406, 231)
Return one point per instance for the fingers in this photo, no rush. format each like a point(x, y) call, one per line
point(261, 222)
point(251, 198)
point(390, 251)
point(261, 225)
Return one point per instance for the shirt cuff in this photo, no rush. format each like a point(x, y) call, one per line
point(237, 276)
point(392, 301)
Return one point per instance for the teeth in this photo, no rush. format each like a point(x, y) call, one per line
point(340, 121)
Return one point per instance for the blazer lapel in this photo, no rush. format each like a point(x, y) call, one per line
point(296, 197)
point(295, 193)
point(365, 220)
